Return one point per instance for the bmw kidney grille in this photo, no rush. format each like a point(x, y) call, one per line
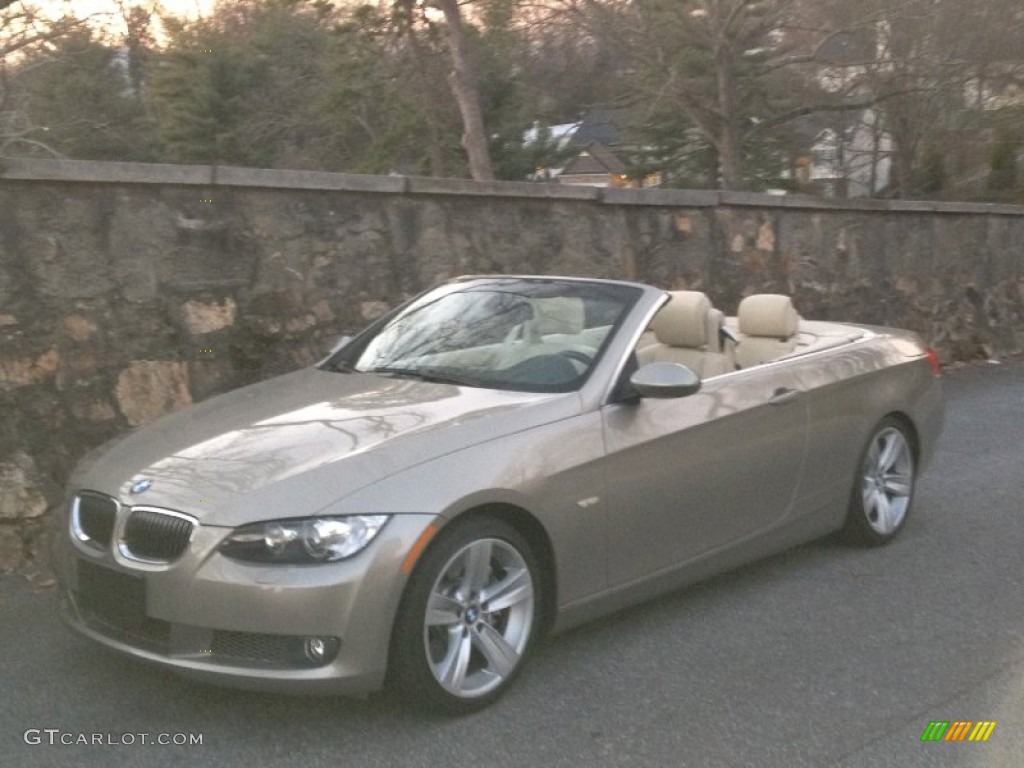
point(148, 534)
point(155, 535)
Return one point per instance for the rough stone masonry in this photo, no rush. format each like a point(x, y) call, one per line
point(127, 291)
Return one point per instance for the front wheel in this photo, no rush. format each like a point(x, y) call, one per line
point(884, 486)
point(468, 618)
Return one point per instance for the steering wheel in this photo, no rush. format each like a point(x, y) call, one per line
point(579, 357)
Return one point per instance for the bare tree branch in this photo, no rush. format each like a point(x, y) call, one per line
point(812, 109)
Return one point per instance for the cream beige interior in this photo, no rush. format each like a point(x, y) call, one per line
point(557, 326)
point(562, 315)
point(767, 325)
point(769, 328)
point(686, 331)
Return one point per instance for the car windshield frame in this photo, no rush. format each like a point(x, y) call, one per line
point(545, 335)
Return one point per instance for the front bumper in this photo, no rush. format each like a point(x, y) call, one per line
point(244, 625)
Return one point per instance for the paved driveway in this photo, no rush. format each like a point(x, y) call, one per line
point(823, 656)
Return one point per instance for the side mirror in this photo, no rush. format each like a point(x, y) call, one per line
point(665, 380)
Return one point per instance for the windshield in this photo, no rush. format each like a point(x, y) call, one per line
point(502, 333)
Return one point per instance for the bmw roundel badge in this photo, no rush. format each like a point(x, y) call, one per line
point(140, 485)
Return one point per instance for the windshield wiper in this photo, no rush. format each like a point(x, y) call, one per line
point(423, 375)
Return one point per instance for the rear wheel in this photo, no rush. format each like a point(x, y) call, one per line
point(468, 618)
point(884, 486)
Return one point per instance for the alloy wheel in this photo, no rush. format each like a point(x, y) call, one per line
point(479, 617)
point(888, 481)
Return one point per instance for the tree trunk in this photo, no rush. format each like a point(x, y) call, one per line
point(463, 80)
point(729, 146)
point(434, 132)
point(904, 149)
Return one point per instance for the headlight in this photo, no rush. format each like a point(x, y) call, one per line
point(312, 540)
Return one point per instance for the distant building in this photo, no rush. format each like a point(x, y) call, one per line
point(597, 161)
point(594, 166)
point(850, 156)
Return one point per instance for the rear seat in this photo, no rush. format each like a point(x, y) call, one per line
point(686, 331)
point(767, 325)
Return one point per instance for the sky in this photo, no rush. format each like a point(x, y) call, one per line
point(82, 7)
point(106, 13)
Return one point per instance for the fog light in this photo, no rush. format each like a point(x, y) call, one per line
point(320, 650)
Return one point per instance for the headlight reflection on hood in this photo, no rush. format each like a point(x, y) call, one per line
point(311, 540)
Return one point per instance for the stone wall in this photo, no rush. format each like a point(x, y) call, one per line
point(127, 291)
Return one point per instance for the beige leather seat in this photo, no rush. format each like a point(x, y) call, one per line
point(564, 316)
point(686, 331)
point(767, 324)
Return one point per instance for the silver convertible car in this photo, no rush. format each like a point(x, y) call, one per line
point(498, 457)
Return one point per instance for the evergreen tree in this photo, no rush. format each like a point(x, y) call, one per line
point(81, 97)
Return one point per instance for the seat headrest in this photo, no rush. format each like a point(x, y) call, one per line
point(768, 314)
point(683, 322)
point(557, 315)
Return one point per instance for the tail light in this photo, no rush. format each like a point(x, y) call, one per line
point(934, 362)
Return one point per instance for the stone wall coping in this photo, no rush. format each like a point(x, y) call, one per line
point(231, 176)
point(21, 169)
point(675, 198)
point(102, 172)
point(425, 185)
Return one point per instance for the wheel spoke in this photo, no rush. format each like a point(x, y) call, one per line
point(501, 657)
point(884, 512)
point(897, 484)
point(478, 567)
point(451, 671)
point(891, 452)
point(512, 590)
point(868, 493)
point(442, 610)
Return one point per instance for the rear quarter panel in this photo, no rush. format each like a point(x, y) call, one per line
point(849, 390)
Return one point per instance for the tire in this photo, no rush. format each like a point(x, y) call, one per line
point(883, 488)
point(468, 619)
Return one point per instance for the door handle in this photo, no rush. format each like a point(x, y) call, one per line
point(783, 396)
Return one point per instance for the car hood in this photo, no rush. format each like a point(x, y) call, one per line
point(290, 446)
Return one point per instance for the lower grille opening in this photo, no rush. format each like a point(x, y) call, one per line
point(114, 604)
point(288, 651)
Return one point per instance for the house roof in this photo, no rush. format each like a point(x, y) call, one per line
point(560, 134)
point(594, 159)
point(600, 124)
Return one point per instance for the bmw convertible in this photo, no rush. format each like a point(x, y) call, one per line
point(497, 458)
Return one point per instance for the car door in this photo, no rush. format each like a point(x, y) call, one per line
point(690, 475)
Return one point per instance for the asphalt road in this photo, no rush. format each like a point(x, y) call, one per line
point(822, 656)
